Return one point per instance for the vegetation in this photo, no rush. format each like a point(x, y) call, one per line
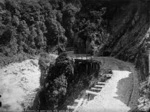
point(55, 84)
point(34, 26)
point(63, 80)
point(16, 58)
point(31, 27)
point(88, 26)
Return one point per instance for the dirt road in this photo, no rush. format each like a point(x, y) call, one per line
point(120, 94)
point(19, 83)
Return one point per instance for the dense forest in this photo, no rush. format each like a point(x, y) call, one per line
point(32, 26)
point(98, 27)
point(103, 27)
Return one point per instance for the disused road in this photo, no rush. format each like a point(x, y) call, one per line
point(120, 94)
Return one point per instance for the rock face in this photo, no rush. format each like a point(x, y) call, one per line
point(128, 27)
point(129, 33)
point(129, 30)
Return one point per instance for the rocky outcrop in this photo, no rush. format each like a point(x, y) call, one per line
point(128, 30)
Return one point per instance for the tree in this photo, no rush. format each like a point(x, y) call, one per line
point(15, 21)
point(57, 79)
point(69, 13)
point(11, 47)
point(55, 32)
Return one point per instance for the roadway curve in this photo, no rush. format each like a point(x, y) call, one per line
point(120, 94)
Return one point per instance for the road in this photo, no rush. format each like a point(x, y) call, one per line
point(120, 94)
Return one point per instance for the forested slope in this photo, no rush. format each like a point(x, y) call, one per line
point(116, 28)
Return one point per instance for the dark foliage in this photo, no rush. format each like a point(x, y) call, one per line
point(103, 27)
point(63, 79)
point(56, 82)
point(34, 26)
point(90, 27)
point(31, 26)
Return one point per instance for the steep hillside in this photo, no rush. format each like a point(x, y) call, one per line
point(98, 27)
point(129, 29)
